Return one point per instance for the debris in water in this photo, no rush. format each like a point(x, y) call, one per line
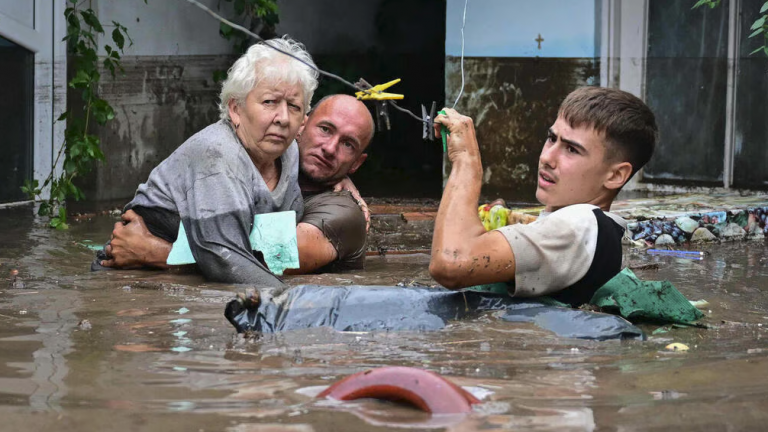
point(677, 346)
point(84, 325)
point(646, 266)
point(15, 282)
point(667, 395)
point(700, 304)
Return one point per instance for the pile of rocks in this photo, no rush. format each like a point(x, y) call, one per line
point(702, 227)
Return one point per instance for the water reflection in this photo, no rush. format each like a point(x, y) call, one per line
point(160, 356)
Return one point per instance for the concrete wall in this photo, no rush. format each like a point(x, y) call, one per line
point(513, 87)
point(165, 95)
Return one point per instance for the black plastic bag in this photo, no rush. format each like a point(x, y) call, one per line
point(369, 308)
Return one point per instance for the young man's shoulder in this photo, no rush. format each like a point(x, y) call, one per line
point(573, 246)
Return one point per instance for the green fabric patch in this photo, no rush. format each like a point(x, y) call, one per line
point(273, 234)
point(180, 253)
point(629, 297)
point(651, 300)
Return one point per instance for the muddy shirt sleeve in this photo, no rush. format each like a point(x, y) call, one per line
point(554, 252)
point(342, 222)
point(217, 217)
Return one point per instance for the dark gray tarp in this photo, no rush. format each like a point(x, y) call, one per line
point(370, 308)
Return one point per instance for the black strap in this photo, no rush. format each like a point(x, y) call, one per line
point(605, 265)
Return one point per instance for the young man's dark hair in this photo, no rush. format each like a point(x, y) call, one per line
point(626, 121)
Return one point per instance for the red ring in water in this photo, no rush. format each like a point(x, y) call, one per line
point(422, 389)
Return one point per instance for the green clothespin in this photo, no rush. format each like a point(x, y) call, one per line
point(444, 133)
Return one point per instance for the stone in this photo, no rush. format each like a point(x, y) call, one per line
point(753, 225)
point(686, 224)
point(665, 239)
point(702, 235)
point(733, 232)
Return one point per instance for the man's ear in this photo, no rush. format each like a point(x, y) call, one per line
point(358, 162)
point(301, 128)
point(618, 175)
point(234, 112)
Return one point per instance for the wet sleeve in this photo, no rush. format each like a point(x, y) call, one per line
point(553, 252)
point(340, 219)
point(217, 218)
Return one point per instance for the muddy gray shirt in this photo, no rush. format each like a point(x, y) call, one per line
point(342, 222)
point(212, 185)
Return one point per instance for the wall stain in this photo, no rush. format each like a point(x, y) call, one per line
point(159, 103)
point(513, 101)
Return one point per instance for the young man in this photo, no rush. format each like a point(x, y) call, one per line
point(332, 233)
point(600, 139)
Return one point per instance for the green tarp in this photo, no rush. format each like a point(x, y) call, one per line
point(630, 297)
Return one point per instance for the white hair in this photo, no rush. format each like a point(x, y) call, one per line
point(257, 64)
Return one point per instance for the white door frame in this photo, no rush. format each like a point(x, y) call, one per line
point(44, 39)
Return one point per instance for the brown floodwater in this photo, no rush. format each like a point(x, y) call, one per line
point(145, 350)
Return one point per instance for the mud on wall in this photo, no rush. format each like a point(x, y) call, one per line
point(513, 101)
point(159, 103)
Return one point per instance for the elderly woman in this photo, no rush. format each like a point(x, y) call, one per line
point(244, 164)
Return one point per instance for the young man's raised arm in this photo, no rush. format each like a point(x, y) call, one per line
point(463, 253)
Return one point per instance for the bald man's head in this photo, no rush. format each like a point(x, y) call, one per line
point(352, 103)
point(333, 140)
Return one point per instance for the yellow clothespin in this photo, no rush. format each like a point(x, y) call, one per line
point(376, 92)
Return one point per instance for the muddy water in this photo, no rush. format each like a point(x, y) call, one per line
point(157, 354)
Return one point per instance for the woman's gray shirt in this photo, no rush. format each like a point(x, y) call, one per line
point(213, 186)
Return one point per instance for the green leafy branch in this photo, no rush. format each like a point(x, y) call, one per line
point(258, 16)
point(759, 27)
point(80, 148)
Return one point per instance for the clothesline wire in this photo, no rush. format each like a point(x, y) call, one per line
point(463, 23)
point(329, 74)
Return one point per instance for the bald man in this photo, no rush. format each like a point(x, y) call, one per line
point(332, 233)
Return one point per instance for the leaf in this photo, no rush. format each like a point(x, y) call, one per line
point(45, 209)
point(73, 24)
point(90, 18)
point(758, 50)
point(764, 8)
point(757, 32)
point(118, 38)
point(70, 166)
point(81, 78)
point(700, 3)
point(759, 23)
point(225, 30)
point(63, 116)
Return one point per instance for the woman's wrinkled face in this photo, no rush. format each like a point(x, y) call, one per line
point(269, 118)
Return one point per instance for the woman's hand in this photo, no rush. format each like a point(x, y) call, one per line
point(133, 246)
point(347, 185)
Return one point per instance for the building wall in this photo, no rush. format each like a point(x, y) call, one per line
point(513, 85)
